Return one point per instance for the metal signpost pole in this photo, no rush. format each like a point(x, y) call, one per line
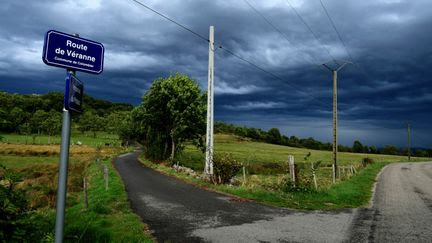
point(62, 179)
point(208, 170)
point(73, 53)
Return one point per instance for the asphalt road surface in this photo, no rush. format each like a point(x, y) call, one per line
point(402, 206)
point(180, 212)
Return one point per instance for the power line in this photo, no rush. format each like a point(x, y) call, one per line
point(310, 30)
point(283, 34)
point(337, 32)
point(229, 51)
point(270, 73)
point(171, 20)
point(343, 42)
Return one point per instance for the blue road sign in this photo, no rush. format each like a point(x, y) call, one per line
point(73, 94)
point(72, 52)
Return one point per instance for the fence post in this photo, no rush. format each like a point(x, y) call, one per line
point(85, 192)
point(244, 175)
point(314, 176)
point(291, 164)
point(333, 174)
point(106, 177)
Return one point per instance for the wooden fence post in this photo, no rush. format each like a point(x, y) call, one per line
point(106, 177)
point(314, 176)
point(244, 175)
point(85, 192)
point(291, 164)
point(333, 174)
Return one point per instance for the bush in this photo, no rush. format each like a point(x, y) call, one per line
point(17, 222)
point(367, 161)
point(225, 167)
point(303, 185)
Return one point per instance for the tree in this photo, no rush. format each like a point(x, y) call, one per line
point(52, 124)
point(274, 136)
point(16, 118)
point(390, 149)
point(357, 147)
point(36, 121)
point(89, 121)
point(173, 111)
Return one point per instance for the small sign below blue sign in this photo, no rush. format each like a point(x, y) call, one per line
point(72, 52)
point(74, 94)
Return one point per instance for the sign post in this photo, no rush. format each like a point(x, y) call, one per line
point(75, 54)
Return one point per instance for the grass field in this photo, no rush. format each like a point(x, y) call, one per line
point(267, 172)
point(101, 139)
point(108, 217)
point(257, 153)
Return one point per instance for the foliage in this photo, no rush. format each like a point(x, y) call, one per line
point(16, 223)
point(357, 147)
point(172, 112)
point(367, 161)
point(41, 114)
point(273, 136)
point(108, 218)
point(90, 121)
point(225, 167)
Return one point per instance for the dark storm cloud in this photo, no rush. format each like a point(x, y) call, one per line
point(389, 39)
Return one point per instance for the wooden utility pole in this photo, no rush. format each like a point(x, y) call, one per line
point(208, 169)
point(409, 142)
point(335, 117)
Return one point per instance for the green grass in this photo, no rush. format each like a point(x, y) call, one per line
point(109, 217)
point(266, 169)
point(85, 138)
point(258, 153)
point(14, 162)
point(352, 193)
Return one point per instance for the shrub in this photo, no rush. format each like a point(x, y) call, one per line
point(17, 222)
point(225, 167)
point(367, 161)
point(304, 184)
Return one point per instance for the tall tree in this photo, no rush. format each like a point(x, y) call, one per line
point(274, 136)
point(357, 147)
point(173, 111)
point(52, 124)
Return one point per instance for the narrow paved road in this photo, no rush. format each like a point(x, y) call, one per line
point(179, 212)
point(402, 206)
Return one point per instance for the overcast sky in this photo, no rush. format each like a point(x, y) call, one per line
point(389, 40)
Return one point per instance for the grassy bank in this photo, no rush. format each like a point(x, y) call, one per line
point(108, 217)
point(257, 155)
point(352, 193)
point(266, 174)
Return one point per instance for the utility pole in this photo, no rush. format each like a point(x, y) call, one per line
point(335, 118)
point(208, 170)
point(409, 142)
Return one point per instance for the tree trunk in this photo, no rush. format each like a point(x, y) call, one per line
point(172, 149)
point(49, 139)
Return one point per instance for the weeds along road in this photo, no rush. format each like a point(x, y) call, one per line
point(402, 206)
point(179, 212)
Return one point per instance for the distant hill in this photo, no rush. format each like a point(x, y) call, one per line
point(18, 111)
